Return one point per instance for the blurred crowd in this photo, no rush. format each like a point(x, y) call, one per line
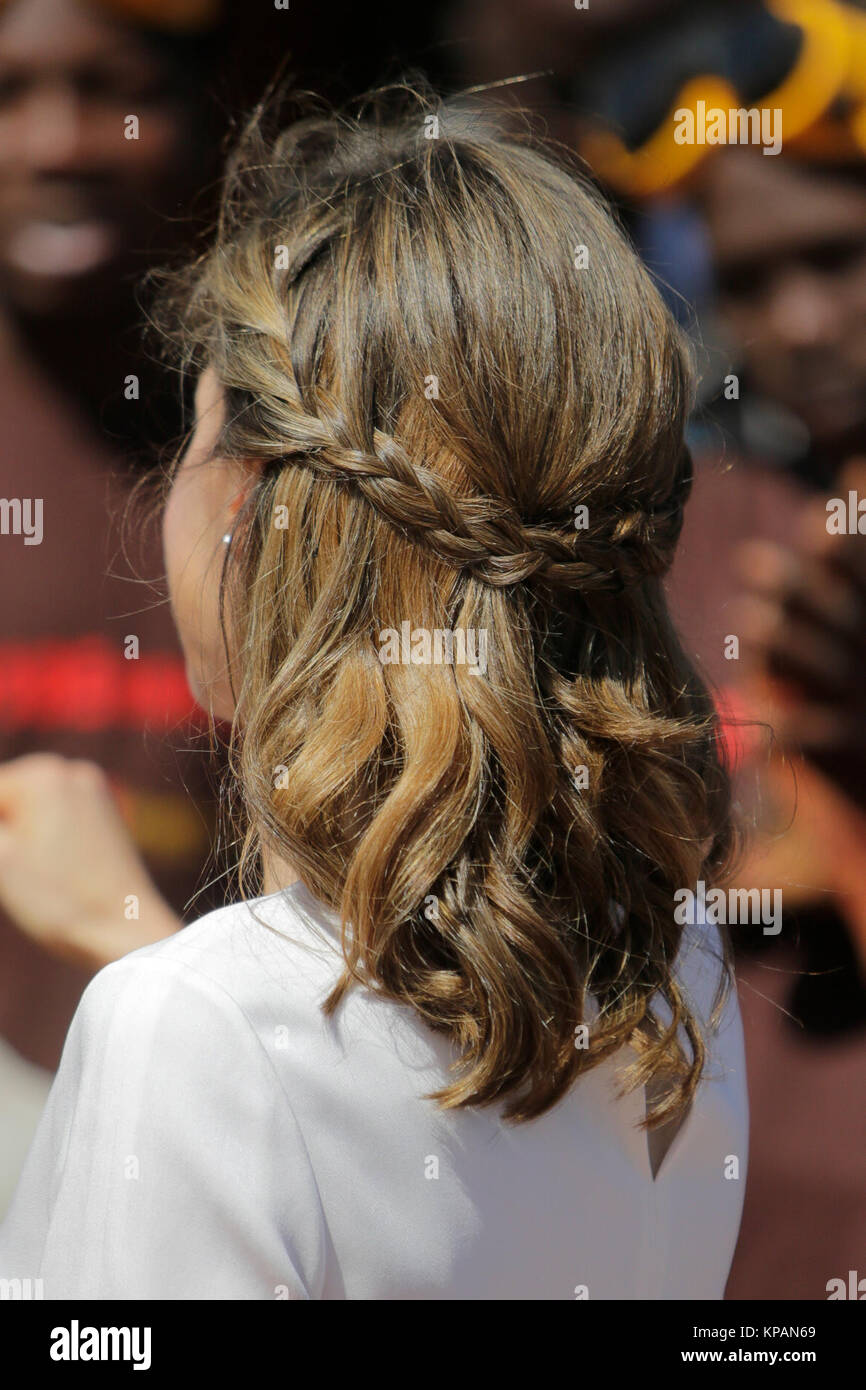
point(114, 115)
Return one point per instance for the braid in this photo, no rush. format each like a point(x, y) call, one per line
point(483, 535)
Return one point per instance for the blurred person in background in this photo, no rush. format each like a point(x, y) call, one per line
point(789, 243)
point(773, 252)
point(94, 706)
point(113, 114)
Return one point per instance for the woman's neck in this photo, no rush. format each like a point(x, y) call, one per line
point(277, 873)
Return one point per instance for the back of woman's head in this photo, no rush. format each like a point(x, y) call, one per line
point(462, 713)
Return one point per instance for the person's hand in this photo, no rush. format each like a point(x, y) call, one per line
point(70, 874)
point(803, 625)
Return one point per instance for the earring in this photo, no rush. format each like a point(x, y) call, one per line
point(227, 538)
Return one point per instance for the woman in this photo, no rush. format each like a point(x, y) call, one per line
point(459, 1045)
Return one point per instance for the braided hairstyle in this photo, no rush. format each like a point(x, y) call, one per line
point(467, 402)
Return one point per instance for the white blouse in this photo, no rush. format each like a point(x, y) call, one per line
point(210, 1134)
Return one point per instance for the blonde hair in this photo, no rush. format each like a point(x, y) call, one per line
point(397, 307)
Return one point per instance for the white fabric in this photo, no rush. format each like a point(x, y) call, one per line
point(211, 1135)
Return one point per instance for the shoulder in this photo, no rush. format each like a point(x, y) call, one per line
point(170, 1158)
point(231, 949)
point(189, 1031)
point(221, 975)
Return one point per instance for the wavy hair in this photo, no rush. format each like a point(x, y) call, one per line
point(468, 402)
